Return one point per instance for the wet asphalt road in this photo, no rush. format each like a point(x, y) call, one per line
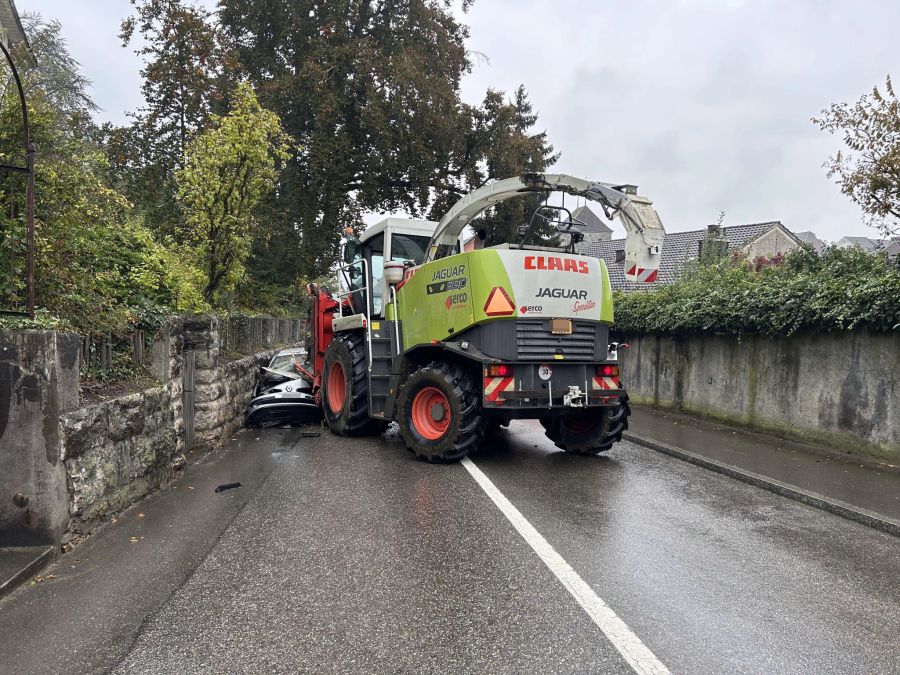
point(349, 555)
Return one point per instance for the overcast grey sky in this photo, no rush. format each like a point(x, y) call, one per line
point(703, 103)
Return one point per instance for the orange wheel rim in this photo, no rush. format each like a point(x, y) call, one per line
point(337, 387)
point(580, 424)
point(431, 414)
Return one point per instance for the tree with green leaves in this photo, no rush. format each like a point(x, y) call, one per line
point(868, 170)
point(228, 169)
point(371, 91)
point(182, 85)
point(96, 264)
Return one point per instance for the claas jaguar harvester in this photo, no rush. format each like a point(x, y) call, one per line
point(449, 343)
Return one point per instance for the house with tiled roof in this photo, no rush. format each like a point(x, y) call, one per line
point(891, 247)
point(810, 238)
point(753, 240)
point(592, 227)
point(865, 243)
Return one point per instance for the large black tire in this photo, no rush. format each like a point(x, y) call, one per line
point(590, 432)
point(345, 387)
point(454, 426)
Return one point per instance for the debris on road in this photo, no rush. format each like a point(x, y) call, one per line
point(228, 486)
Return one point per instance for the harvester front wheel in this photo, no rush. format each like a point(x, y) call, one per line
point(589, 432)
point(439, 413)
point(345, 387)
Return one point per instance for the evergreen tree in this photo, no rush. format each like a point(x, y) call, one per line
point(181, 86)
point(508, 146)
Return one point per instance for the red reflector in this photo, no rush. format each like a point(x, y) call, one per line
point(501, 370)
point(608, 370)
point(499, 303)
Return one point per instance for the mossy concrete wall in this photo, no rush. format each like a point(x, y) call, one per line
point(840, 389)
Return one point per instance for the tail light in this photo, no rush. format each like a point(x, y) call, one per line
point(608, 370)
point(500, 370)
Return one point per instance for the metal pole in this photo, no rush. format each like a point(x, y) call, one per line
point(29, 228)
point(29, 186)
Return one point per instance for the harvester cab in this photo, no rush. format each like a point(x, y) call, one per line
point(449, 343)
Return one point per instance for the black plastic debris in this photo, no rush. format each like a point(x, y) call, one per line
point(228, 486)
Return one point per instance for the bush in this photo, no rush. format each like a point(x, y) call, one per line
point(840, 289)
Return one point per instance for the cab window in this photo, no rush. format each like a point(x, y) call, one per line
point(409, 247)
point(375, 255)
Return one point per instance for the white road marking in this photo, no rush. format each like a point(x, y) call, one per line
point(635, 652)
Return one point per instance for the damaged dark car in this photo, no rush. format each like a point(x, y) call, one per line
point(283, 392)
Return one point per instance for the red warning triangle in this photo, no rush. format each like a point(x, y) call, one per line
point(498, 303)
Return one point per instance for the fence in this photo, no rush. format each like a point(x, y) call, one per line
point(238, 334)
point(97, 349)
point(248, 334)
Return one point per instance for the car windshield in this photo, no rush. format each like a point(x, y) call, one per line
point(285, 362)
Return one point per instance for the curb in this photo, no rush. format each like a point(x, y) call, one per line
point(43, 559)
point(814, 499)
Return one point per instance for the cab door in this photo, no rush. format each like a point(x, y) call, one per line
point(373, 253)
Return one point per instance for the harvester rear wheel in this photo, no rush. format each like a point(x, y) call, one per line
point(589, 432)
point(345, 387)
point(439, 413)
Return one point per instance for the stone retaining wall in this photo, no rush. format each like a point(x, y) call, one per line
point(839, 389)
point(239, 378)
point(72, 466)
point(116, 452)
point(221, 389)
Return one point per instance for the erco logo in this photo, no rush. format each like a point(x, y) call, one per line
point(550, 262)
point(524, 309)
point(456, 299)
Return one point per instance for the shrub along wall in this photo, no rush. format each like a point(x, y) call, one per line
point(840, 290)
point(808, 346)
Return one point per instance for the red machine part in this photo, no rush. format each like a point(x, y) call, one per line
point(323, 311)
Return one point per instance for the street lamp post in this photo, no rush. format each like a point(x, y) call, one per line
point(28, 170)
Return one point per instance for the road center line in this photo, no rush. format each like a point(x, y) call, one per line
point(635, 652)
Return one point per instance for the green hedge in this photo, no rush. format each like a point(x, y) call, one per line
point(840, 289)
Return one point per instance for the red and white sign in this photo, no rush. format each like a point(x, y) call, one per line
point(646, 275)
point(494, 386)
point(603, 382)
